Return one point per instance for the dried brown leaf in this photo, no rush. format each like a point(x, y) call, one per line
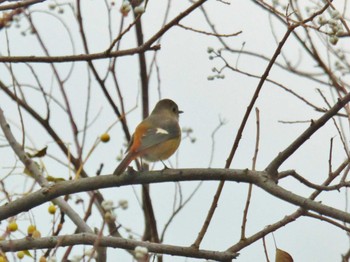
point(283, 256)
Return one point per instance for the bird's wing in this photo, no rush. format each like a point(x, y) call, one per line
point(154, 136)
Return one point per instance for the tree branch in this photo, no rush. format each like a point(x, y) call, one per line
point(78, 58)
point(115, 242)
point(19, 4)
point(258, 178)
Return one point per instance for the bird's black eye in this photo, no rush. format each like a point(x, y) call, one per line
point(174, 109)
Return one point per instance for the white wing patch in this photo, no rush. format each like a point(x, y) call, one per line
point(161, 131)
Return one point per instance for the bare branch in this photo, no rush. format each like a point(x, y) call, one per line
point(208, 33)
point(258, 178)
point(115, 242)
point(78, 58)
point(250, 188)
point(19, 4)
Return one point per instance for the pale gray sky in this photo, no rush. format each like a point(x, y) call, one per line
point(184, 68)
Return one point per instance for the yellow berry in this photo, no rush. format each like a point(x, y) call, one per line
point(31, 229)
point(20, 254)
point(42, 259)
point(105, 137)
point(12, 227)
point(52, 209)
point(36, 234)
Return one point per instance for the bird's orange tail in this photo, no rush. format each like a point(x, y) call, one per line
point(124, 164)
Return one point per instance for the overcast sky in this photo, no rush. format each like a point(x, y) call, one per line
point(184, 68)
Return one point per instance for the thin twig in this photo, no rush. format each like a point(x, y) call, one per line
point(330, 221)
point(250, 188)
point(265, 250)
point(216, 129)
point(208, 33)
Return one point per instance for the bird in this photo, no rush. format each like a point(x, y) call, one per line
point(156, 138)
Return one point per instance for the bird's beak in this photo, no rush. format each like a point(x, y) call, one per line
point(180, 112)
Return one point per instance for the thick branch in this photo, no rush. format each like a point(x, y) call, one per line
point(115, 242)
point(258, 178)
